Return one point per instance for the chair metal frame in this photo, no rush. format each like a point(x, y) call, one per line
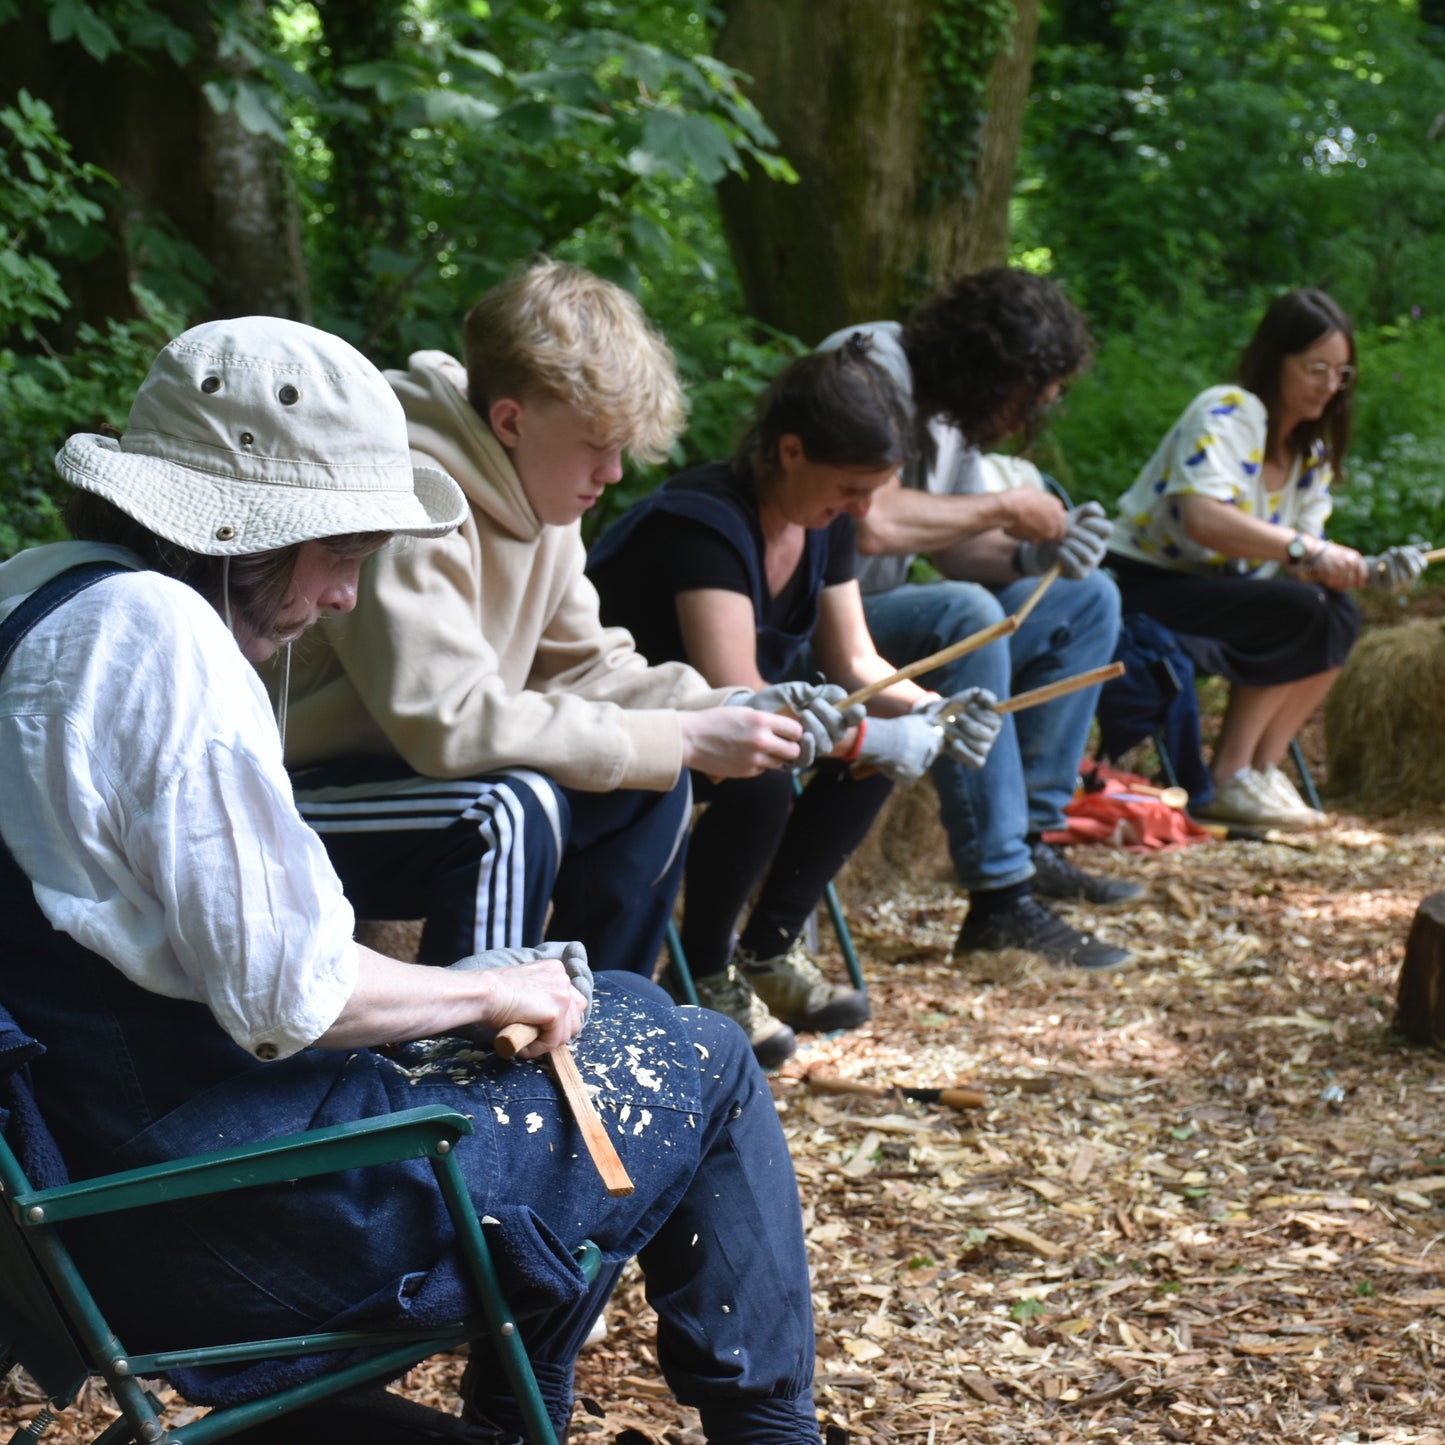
point(51, 1324)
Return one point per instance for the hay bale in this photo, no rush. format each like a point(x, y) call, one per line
point(1382, 720)
point(906, 845)
point(398, 939)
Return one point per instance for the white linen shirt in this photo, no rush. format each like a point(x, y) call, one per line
point(145, 797)
point(1216, 449)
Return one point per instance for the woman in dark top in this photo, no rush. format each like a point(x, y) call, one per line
point(745, 569)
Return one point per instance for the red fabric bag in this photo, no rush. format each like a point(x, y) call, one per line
point(1111, 810)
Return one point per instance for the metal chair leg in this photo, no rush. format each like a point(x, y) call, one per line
point(678, 961)
point(1307, 783)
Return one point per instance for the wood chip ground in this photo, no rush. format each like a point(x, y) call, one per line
point(1205, 1201)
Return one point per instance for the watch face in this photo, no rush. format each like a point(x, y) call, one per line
point(1295, 551)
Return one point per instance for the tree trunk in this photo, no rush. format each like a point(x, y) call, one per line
point(179, 167)
point(1419, 995)
point(845, 88)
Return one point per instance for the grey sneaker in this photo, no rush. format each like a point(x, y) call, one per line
point(730, 993)
point(794, 989)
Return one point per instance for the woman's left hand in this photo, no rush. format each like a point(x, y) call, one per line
point(1339, 568)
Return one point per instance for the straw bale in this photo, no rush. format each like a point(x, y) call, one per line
point(906, 847)
point(1383, 720)
point(397, 939)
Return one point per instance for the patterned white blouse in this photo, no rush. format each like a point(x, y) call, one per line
point(1216, 449)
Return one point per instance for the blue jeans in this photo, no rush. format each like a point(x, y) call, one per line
point(1029, 777)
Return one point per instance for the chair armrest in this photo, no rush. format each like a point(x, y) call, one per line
point(422, 1133)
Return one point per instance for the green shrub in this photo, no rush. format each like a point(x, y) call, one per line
point(45, 398)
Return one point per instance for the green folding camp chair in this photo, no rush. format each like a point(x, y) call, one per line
point(50, 1323)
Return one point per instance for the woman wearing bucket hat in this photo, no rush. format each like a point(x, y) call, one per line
point(181, 945)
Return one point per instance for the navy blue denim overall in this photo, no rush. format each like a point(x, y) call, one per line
point(711, 496)
point(131, 1077)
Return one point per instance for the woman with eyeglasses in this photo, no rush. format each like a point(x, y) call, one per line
point(1222, 540)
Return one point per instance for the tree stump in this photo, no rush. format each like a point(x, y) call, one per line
point(1419, 996)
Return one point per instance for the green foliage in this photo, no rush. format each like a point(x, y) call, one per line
point(435, 146)
point(41, 193)
point(1025, 1311)
point(1188, 149)
point(45, 398)
point(44, 211)
point(964, 37)
point(590, 131)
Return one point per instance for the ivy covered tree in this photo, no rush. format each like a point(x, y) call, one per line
point(902, 122)
point(372, 165)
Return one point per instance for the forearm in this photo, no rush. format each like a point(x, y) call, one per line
point(1229, 532)
point(907, 520)
point(395, 1001)
point(987, 559)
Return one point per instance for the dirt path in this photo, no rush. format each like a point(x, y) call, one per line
point(1205, 1201)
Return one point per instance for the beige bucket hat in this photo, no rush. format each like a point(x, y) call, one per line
point(257, 433)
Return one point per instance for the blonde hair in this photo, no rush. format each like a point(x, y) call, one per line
point(557, 331)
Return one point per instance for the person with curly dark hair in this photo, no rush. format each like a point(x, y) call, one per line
point(982, 360)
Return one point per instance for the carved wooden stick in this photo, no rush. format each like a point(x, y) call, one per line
point(1064, 685)
point(615, 1179)
point(1037, 595)
point(971, 643)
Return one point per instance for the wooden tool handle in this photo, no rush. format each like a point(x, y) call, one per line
point(963, 1098)
point(1037, 595)
point(1058, 689)
point(1003, 628)
point(1435, 555)
point(954, 1098)
point(613, 1172)
point(511, 1040)
point(1170, 797)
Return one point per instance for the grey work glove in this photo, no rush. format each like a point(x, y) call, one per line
point(573, 957)
point(970, 724)
point(1396, 569)
point(1081, 550)
point(814, 704)
point(901, 747)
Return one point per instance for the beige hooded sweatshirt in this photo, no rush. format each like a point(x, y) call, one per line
point(484, 649)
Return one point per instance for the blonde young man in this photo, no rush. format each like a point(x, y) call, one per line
point(471, 743)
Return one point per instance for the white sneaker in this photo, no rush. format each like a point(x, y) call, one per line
point(1280, 787)
point(1247, 798)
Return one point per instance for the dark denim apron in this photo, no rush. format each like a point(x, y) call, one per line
point(714, 497)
